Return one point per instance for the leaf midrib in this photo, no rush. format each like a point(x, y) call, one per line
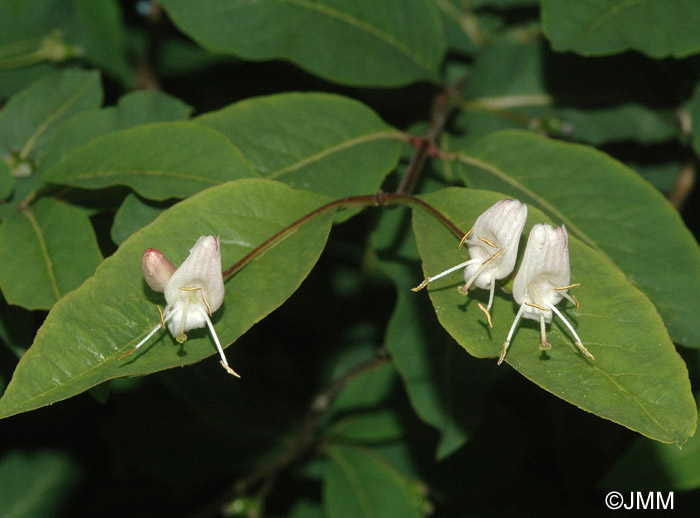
point(346, 144)
point(364, 26)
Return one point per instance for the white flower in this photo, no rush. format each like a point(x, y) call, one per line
point(493, 247)
point(542, 281)
point(193, 292)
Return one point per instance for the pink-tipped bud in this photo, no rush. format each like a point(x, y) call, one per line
point(157, 270)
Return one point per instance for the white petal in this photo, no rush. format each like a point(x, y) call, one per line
point(201, 269)
point(189, 309)
point(501, 224)
point(545, 266)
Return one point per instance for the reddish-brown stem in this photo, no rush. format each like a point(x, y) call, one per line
point(380, 199)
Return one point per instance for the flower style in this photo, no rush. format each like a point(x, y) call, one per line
point(542, 281)
point(192, 292)
point(493, 247)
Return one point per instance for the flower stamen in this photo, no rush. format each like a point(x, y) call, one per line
point(160, 314)
point(465, 238)
point(532, 304)
point(484, 240)
point(442, 274)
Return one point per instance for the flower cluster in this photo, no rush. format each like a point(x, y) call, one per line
point(193, 292)
point(543, 279)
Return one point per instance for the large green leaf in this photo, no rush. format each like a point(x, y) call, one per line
point(158, 160)
point(325, 143)
point(46, 250)
point(31, 117)
point(362, 42)
point(608, 207)
point(598, 27)
point(84, 335)
point(637, 378)
point(360, 482)
point(132, 109)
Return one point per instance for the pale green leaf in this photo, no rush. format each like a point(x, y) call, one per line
point(159, 161)
point(46, 250)
point(85, 334)
point(363, 42)
point(608, 207)
point(637, 378)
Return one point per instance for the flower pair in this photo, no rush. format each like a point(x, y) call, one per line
point(193, 292)
point(544, 275)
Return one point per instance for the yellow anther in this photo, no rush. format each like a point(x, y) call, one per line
point(464, 239)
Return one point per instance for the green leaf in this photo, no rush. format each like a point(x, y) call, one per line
point(30, 118)
point(362, 42)
point(359, 482)
point(46, 250)
point(600, 27)
point(97, 26)
point(444, 385)
point(133, 214)
point(615, 124)
point(132, 109)
point(84, 335)
point(159, 161)
point(608, 207)
point(368, 427)
point(343, 149)
point(637, 378)
point(36, 485)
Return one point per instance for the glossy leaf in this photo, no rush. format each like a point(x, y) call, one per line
point(608, 207)
point(359, 482)
point(364, 42)
point(325, 143)
point(599, 27)
point(46, 250)
point(637, 378)
point(30, 118)
point(83, 337)
point(159, 161)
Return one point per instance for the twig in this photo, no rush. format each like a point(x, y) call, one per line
point(443, 104)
